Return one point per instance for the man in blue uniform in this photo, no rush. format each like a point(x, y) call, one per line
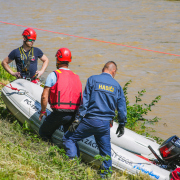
point(26, 58)
point(101, 97)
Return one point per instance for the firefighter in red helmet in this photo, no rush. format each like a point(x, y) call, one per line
point(63, 90)
point(26, 58)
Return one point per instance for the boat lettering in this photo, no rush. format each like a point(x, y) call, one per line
point(29, 102)
point(168, 150)
point(120, 158)
point(141, 168)
point(90, 143)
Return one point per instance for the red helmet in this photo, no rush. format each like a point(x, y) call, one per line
point(29, 33)
point(63, 54)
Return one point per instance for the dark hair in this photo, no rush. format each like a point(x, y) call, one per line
point(63, 62)
point(107, 65)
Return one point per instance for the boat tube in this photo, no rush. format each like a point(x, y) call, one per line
point(24, 103)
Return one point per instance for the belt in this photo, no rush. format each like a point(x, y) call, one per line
point(30, 79)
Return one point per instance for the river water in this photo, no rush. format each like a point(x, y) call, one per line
point(148, 24)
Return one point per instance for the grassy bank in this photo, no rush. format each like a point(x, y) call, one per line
point(23, 155)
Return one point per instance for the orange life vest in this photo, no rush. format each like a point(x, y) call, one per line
point(66, 94)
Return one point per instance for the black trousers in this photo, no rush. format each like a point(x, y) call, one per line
point(54, 121)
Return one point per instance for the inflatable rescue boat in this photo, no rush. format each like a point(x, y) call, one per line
point(129, 152)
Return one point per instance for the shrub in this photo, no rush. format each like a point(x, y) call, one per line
point(136, 112)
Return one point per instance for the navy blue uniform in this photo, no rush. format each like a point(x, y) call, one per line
point(101, 97)
point(16, 55)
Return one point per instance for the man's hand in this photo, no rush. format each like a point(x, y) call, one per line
point(39, 73)
point(120, 130)
point(74, 125)
point(42, 114)
point(17, 74)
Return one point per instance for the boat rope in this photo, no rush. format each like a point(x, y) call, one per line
point(16, 89)
point(93, 39)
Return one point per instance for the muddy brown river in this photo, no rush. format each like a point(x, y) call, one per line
point(149, 24)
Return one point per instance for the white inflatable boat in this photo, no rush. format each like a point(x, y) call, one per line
point(24, 103)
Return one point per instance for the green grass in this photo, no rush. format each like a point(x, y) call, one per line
point(5, 75)
point(23, 155)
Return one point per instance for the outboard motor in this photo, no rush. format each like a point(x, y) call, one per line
point(170, 151)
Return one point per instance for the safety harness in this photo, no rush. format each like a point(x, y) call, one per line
point(25, 61)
